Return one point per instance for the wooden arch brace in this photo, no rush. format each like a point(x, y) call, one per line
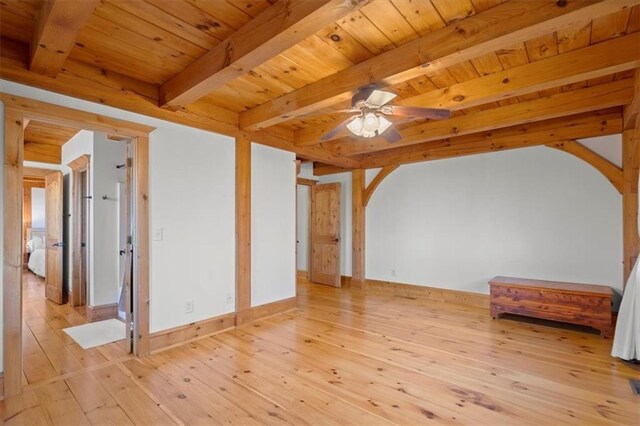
point(386, 171)
point(612, 172)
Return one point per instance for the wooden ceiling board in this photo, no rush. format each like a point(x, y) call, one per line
point(420, 14)
point(40, 132)
point(156, 16)
point(252, 8)
point(337, 37)
point(17, 19)
point(386, 17)
point(366, 33)
point(634, 20)
point(610, 26)
point(454, 10)
point(196, 17)
point(147, 30)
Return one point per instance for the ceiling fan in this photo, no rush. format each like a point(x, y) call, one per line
point(371, 107)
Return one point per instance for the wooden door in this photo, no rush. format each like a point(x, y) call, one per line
point(325, 234)
point(53, 233)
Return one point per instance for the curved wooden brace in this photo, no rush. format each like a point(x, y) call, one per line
point(386, 171)
point(612, 172)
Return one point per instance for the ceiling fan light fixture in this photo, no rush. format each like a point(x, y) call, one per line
point(371, 122)
point(384, 124)
point(355, 126)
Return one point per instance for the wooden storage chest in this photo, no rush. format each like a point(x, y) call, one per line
point(582, 304)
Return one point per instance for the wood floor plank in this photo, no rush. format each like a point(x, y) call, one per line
point(138, 406)
point(59, 404)
point(98, 405)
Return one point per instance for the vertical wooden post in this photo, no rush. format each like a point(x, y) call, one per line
point(358, 228)
point(243, 224)
point(12, 256)
point(141, 245)
point(630, 168)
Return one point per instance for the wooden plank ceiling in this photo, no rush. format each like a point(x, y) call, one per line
point(277, 70)
point(43, 141)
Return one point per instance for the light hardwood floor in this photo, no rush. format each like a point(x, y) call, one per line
point(350, 357)
point(48, 352)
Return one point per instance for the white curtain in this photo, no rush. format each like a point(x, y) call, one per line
point(626, 342)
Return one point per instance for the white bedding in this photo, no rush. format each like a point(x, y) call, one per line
point(36, 262)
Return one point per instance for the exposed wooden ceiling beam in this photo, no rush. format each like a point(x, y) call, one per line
point(58, 24)
point(616, 93)
point(599, 123)
point(494, 29)
point(602, 59)
point(612, 172)
point(632, 111)
point(272, 32)
point(85, 81)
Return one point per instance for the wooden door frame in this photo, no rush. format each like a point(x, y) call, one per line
point(18, 111)
point(78, 165)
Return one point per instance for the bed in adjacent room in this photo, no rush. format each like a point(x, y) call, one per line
point(36, 250)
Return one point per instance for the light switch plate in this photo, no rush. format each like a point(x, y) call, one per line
point(157, 234)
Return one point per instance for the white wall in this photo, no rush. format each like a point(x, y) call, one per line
point(193, 206)
point(610, 147)
point(37, 207)
point(273, 231)
point(105, 258)
point(80, 144)
point(345, 219)
point(303, 201)
point(534, 213)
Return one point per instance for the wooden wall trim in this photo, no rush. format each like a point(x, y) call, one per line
point(464, 298)
point(386, 171)
point(630, 170)
point(268, 309)
point(12, 255)
point(80, 163)
point(184, 333)
point(141, 244)
point(243, 224)
point(612, 172)
point(101, 312)
point(306, 182)
point(358, 225)
point(164, 339)
point(68, 117)
point(631, 112)
point(77, 294)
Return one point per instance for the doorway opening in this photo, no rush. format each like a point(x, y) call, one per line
point(37, 343)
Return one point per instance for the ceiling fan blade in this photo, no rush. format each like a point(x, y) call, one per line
point(339, 128)
point(419, 112)
point(377, 98)
point(330, 112)
point(391, 135)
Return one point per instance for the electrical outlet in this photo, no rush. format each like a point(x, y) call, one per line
point(393, 272)
point(229, 298)
point(188, 307)
point(157, 234)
